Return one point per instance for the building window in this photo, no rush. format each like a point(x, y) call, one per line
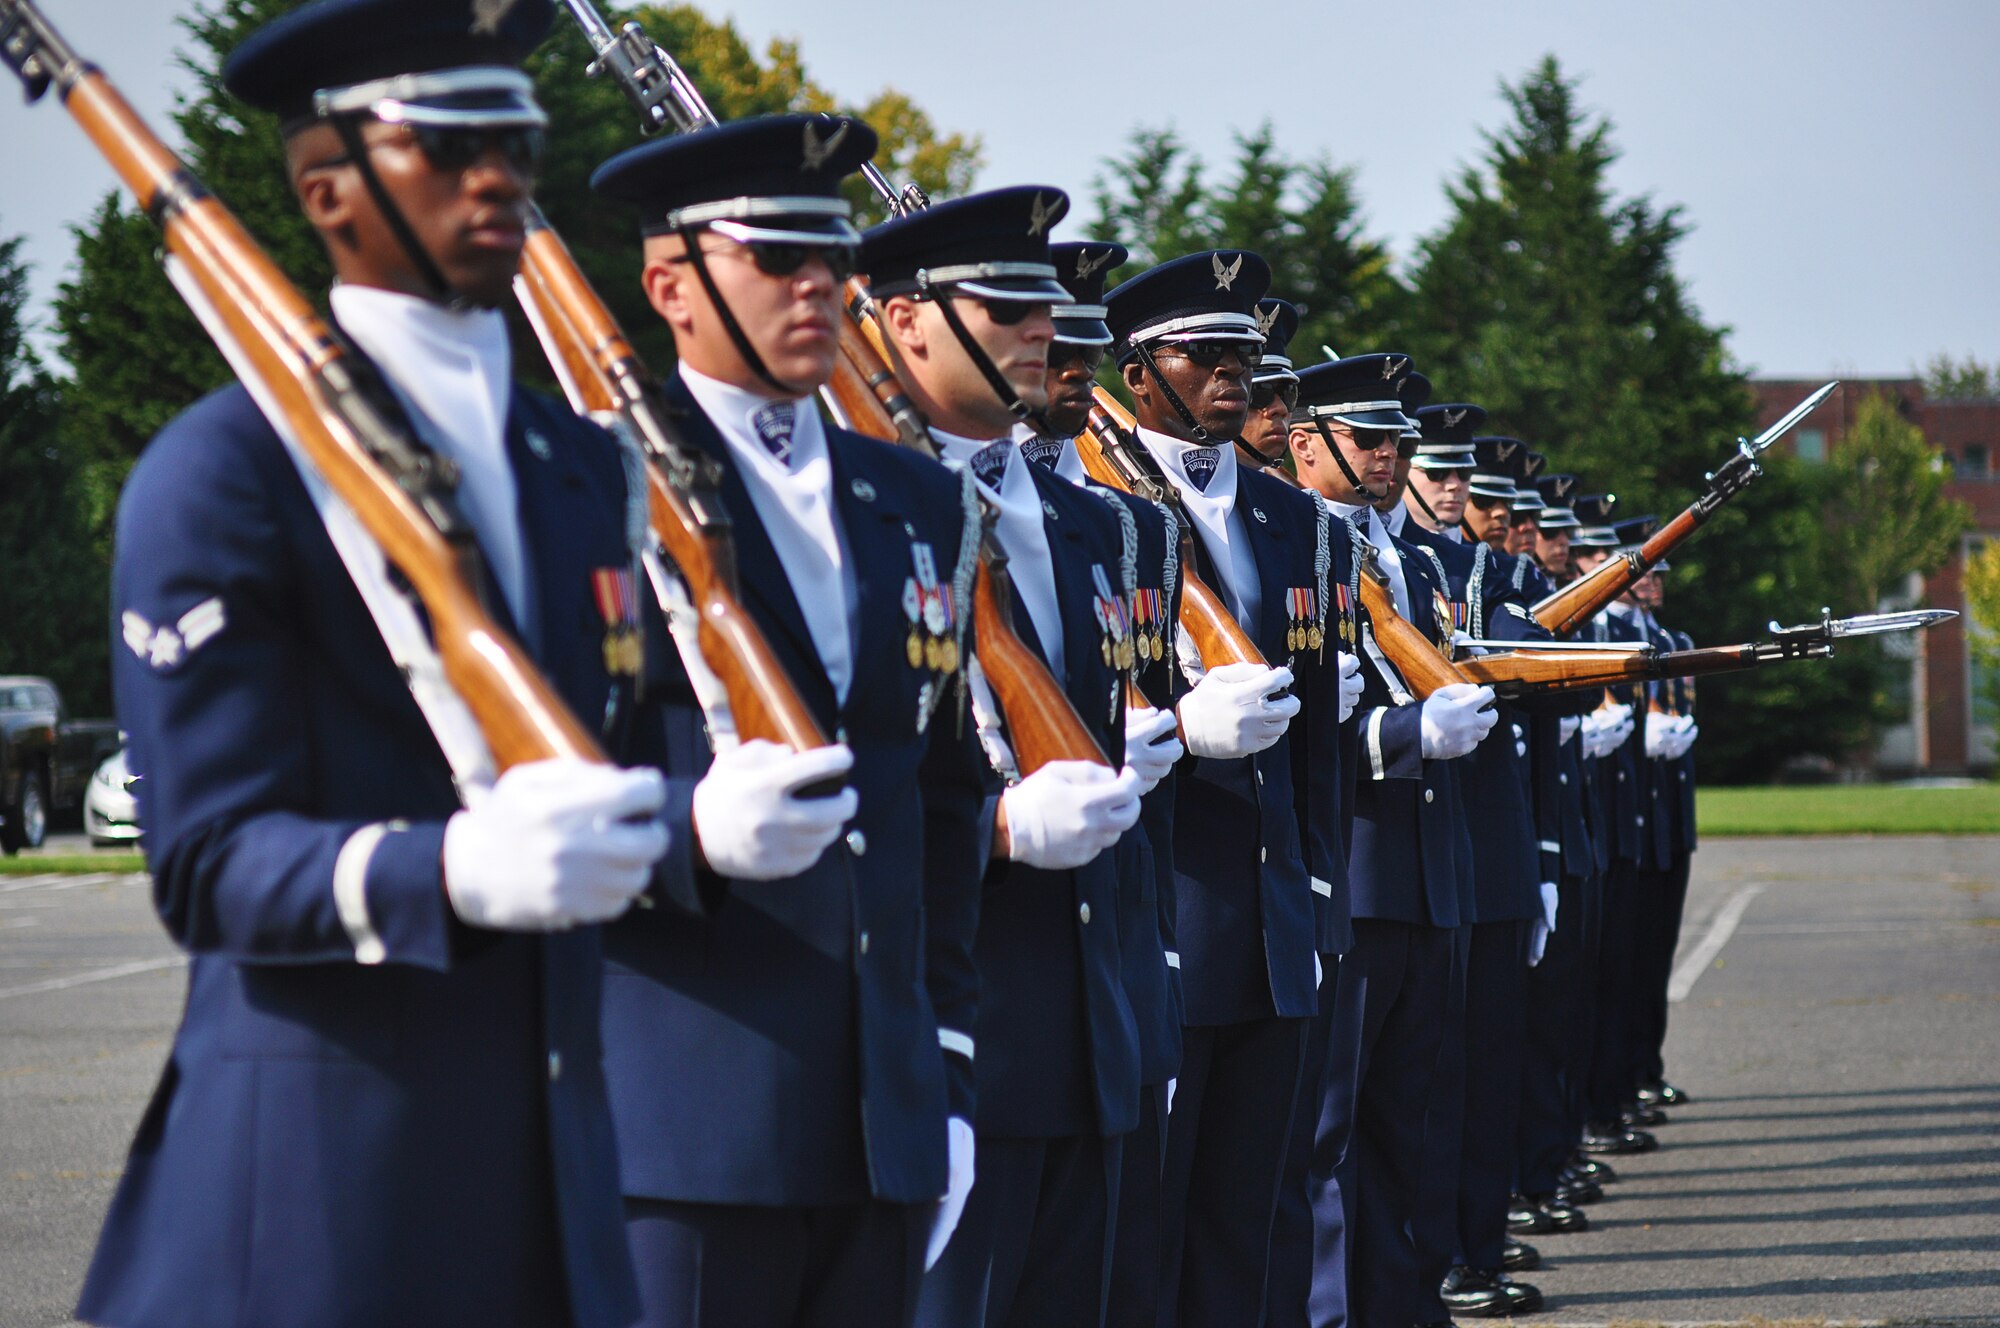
point(1972, 462)
point(1812, 446)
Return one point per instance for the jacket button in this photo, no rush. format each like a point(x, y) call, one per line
point(857, 843)
point(1083, 914)
point(1563, 778)
point(1621, 776)
point(1263, 855)
point(1430, 795)
point(862, 944)
point(1684, 776)
point(555, 1066)
point(1260, 778)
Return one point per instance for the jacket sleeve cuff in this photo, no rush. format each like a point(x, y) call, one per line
point(388, 888)
point(1392, 742)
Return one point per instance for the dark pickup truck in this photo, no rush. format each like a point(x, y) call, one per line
point(46, 759)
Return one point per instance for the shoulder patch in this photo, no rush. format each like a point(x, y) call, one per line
point(165, 647)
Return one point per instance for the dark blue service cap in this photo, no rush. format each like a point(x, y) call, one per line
point(1361, 391)
point(1447, 432)
point(431, 62)
point(1083, 266)
point(1493, 466)
point(1557, 492)
point(1278, 320)
point(1209, 296)
point(1593, 521)
point(1416, 392)
point(774, 179)
point(992, 246)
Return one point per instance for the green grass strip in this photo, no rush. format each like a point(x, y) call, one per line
point(72, 864)
point(1848, 809)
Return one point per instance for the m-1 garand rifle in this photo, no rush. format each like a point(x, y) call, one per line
point(341, 414)
point(1579, 601)
point(1518, 669)
point(865, 396)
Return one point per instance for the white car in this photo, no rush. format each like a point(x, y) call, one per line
point(110, 813)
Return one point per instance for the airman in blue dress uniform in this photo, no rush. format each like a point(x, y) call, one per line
point(963, 293)
point(789, 1041)
point(384, 1103)
point(1393, 989)
point(1257, 837)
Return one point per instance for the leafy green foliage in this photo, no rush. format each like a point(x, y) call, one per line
point(53, 594)
point(1947, 379)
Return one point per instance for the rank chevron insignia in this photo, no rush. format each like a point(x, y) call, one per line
point(1040, 215)
point(167, 645)
point(1225, 277)
point(819, 148)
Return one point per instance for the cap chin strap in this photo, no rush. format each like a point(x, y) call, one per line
point(1257, 460)
point(1428, 511)
point(942, 297)
point(1145, 355)
point(690, 236)
point(349, 129)
point(1340, 459)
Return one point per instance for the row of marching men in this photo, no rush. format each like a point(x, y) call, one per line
point(1266, 1019)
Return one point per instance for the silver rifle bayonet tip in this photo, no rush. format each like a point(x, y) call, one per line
point(1871, 624)
point(1792, 417)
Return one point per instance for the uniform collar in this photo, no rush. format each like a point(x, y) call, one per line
point(733, 410)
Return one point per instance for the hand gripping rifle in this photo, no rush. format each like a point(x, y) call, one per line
point(1521, 669)
point(866, 397)
point(1576, 603)
point(343, 416)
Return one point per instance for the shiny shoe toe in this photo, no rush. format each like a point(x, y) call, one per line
point(1488, 1295)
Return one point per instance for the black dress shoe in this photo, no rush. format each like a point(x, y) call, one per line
point(1517, 1256)
point(1576, 1190)
point(1542, 1215)
point(1617, 1139)
point(1595, 1168)
point(1643, 1115)
point(1663, 1094)
point(1488, 1295)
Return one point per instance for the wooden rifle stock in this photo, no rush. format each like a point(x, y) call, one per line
point(1041, 723)
point(324, 393)
point(1515, 674)
point(1568, 609)
point(1425, 667)
point(598, 364)
point(1103, 447)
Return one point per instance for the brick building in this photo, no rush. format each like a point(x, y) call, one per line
point(1952, 726)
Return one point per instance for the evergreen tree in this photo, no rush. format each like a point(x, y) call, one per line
point(52, 615)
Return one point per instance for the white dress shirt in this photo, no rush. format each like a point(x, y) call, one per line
point(794, 501)
point(1022, 536)
point(453, 371)
point(1213, 510)
point(1068, 463)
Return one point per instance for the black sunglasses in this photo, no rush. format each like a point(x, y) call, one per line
point(457, 148)
point(782, 258)
point(1065, 353)
point(1007, 312)
point(1208, 354)
point(1263, 394)
point(1443, 473)
point(1486, 503)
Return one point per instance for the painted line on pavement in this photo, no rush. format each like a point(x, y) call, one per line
point(1689, 970)
point(95, 975)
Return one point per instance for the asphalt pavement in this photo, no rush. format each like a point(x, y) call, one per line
point(1840, 1030)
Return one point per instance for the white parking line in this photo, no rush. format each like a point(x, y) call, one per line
point(1689, 970)
point(95, 975)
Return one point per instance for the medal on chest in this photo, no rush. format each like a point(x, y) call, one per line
point(1114, 622)
point(1343, 600)
point(617, 601)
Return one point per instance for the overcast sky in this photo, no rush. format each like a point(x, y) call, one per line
point(1836, 159)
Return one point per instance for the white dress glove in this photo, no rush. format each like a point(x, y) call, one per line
point(750, 820)
point(1231, 713)
point(1151, 748)
point(1350, 683)
point(1567, 727)
point(1461, 644)
point(958, 1185)
point(1659, 733)
point(1456, 716)
point(1068, 812)
point(1683, 736)
point(1606, 729)
point(1545, 925)
point(551, 846)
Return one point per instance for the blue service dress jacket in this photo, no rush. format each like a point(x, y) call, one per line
point(1682, 691)
point(801, 1041)
point(403, 1127)
point(1259, 856)
point(1058, 1043)
point(1622, 785)
point(1404, 859)
point(1494, 777)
